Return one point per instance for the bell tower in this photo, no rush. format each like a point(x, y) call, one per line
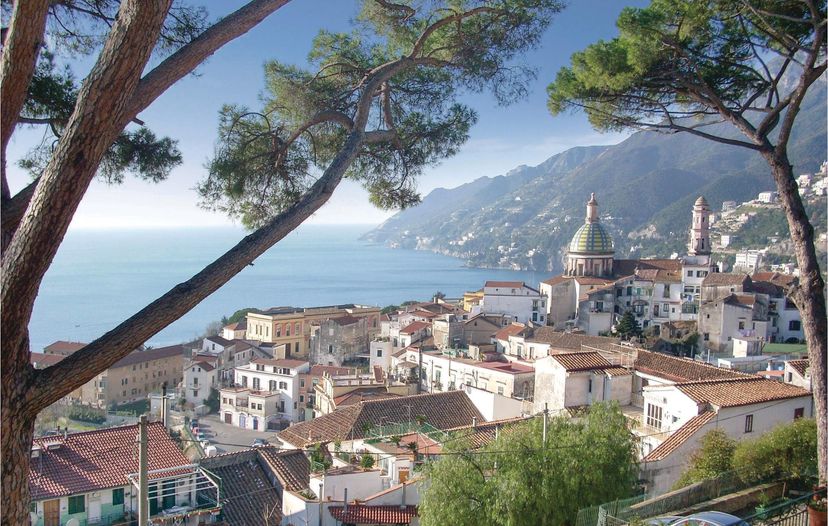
point(700, 229)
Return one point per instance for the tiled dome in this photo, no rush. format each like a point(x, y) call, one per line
point(591, 238)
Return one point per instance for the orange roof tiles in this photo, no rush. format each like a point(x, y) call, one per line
point(510, 330)
point(680, 369)
point(555, 280)
point(719, 279)
point(41, 361)
point(365, 514)
point(581, 361)
point(95, 460)
point(800, 366)
point(413, 327)
point(504, 284)
point(160, 353)
point(680, 436)
point(63, 347)
point(734, 392)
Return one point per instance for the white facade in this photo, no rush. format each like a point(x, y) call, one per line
point(266, 394)
point(199, 378)
point(748, 261)
point(380, 354)
point(556, 388)
point(767, 197)
point(514, 299)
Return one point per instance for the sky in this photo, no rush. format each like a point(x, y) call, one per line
point(522, 133)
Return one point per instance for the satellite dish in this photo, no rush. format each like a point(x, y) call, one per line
point(73, 522)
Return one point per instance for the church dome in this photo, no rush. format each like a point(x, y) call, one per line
point(701, 201)
point(591, 238)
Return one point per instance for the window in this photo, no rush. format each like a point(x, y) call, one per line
point(271, 386)
point(301, 398)
point(297, 328)
point(654, 416)
point(799, 412)
point(287, 329)
point(256, 383)
point(379, 353)
point(302, 382)
point(77, 504)
point(500, 389)
point(278, 331)
point(244, 381)
point(259, 367)
point(794, 325)
point(283, 385)
point(748, 423)
point(589, 385)
point(330, 349)
point(741, 325)
point(689, 273)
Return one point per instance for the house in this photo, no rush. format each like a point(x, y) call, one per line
point(414, 332)
point(309, 380)
point(135, 376)
point(265, 396)
point(254, 481)
point(199, 378)
point(577, 379)
point(797, 373)
point(514, 299)
point(235, 331)
point(339, 341)
point(291, 326)
point(742, 407)
point(92, 477)
point(338, 390)
point(350, 425)
point(63, 348)
point(534, 343)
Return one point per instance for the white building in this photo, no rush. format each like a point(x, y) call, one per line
point(578, 379)
point(768, 197)
point(798, 373)
point(199, 378)
point(266, 395)
point(516, 299)
point(748, 261)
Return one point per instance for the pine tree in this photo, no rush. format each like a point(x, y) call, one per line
point(628, 326)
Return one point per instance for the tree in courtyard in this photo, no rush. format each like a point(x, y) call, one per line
point(731, 71)
point(520, 479)
point(380, 106)
point(628, 327)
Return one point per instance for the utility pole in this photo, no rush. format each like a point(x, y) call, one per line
point(143, 488)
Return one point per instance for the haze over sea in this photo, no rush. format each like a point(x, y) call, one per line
point(101, 277)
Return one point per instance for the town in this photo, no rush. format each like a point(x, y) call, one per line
point(327, 415)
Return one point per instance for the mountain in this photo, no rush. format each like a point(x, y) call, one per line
point(645, 186)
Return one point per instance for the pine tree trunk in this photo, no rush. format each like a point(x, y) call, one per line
point(15, 443)
point(809, 297)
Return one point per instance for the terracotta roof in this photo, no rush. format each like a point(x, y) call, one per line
point(569, 340)
point(725, 278)
point(246, 491)
point(781, 280)
point(477, 436)
point(95, 460)
point(617, 371)
point(238, 326)
point(590, 280)
point(800, 366)
point(422, 313)
point(204, 364)
point(333, 370)
point(365, 514)
point(555, 280)
point(659, 275)
point(64, 347)
point(41, 361)
point(680, 369)
point(363, 393)
point(414, 327)
point(291, 467)
point(679, 436)
point(581, 361)
point(506, 367)
point(152, 354)
point(441, 410)
point(219, 340)
point(514, 329)
point(504, 284)
point(740, 299)
point(734, 392)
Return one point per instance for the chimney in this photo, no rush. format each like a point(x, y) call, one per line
point(474, 421)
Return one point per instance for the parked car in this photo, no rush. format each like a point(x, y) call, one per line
point(260, 442)
point(709, 518)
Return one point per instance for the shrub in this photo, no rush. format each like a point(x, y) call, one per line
point(367, 461)
point(787, 450)
point(85, 413)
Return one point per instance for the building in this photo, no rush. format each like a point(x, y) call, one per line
point(515, 299)
point(235, 331)
point(340, 341)
point(768, 197)
point(798, 373)
point(591, 251)
point(92, 477)
point(199, 378)
point(291, 326)
point(748, 261)
point(135, 376)
point(63, 348)
point(266, 394)
point(337, 389)
point(578, 379)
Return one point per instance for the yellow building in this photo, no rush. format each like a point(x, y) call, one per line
point(470, 299)
point(290, 326)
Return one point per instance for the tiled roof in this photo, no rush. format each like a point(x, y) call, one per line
point(422, 313)
point(506, 367)
point(363, 393)
point(365, 514)
point(204, 364)
point(782, 280)
point(41, 361)
point(581, 361)
point(592, 280)
point(152, 354)
point(659, 275)
point(555, 280)
point(569, 340)
point(617, 371)
point(413, 327)
point(680, 369)
point(346, 320)
point(238, 326)
point(740, 391)
point(333, 370)
point(219, 340)
point(504, 284)
point(441, 410)
point(724, 279)
point(514, 329)
point(800, 366)
point(291, 467)
point(591, 238)
point(95, 460)
point(246, 491)
point(64, 347)
point(740, 299)
point(679, 436)
point(477, 436)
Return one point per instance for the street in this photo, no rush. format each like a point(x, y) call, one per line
point(228, 438)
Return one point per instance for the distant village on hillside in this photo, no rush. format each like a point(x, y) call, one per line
point(345, 402)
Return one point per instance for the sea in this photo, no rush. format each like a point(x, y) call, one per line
point(101, 277)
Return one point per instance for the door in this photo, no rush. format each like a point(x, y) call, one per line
point(228, 418)
point(242, 421)
point(153, 499)
point(51, 512)
point(255, 424)
point(168, 499)
point(94, 511)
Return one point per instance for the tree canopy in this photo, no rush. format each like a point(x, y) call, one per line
point(519, 479)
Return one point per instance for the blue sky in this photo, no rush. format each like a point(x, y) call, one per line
point(504, 137)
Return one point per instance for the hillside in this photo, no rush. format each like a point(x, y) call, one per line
point(645, 186)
